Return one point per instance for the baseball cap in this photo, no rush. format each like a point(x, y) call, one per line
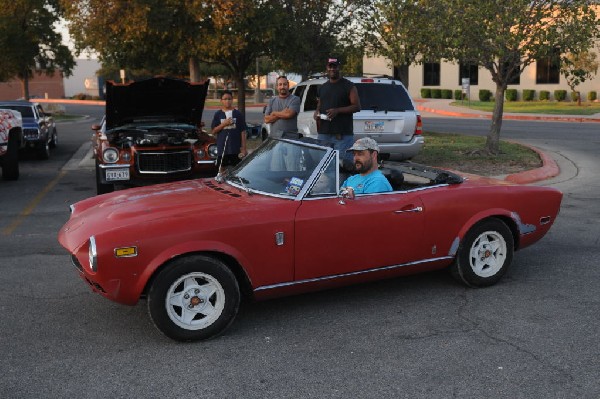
point(366, 143)
point(333, 61)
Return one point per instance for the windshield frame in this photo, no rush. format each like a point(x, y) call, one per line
point(232, 178)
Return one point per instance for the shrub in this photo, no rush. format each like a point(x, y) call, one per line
point(592, 96)
point(80, 96)
point(560, 95)
point(447, 94)
point(425, 93)
point(528, 95)
point(511, 94)
point(485, 95)
point(458, 95)
point(544, 95)
point(436, 93)
point(574, 96)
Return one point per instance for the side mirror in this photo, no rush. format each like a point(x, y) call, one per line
point(346, 193)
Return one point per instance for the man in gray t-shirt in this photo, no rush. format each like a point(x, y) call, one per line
point(282, 110)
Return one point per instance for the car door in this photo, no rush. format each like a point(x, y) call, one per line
point(371, 231)
point(306, 121)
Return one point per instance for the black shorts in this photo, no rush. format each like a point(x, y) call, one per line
point(228, 160)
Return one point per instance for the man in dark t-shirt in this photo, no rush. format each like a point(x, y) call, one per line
point(337, 101)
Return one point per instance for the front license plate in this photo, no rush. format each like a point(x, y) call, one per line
point(374, 127)
point(117, 174)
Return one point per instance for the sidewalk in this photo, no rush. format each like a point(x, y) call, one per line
point(549, 166)
point(443, 108)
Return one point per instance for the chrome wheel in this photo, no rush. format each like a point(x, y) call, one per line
point(488, 254)
point(195, 301)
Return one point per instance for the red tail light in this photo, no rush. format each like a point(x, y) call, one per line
point(419, 126)
point(367, 80)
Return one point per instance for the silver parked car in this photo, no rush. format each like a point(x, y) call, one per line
point(388, 115)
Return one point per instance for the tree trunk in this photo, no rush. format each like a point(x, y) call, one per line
point(492, 144)
point(194, 66)
point(241, 91)
point(25, 87)
point(578, 98)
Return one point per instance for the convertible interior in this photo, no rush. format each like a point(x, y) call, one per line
point(407, 175)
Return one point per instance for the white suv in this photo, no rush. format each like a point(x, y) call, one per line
point(387, 114)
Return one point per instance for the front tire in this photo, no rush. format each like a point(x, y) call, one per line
point(194, 298)
point(43, 150)
point(54, 140)
point(484, 255)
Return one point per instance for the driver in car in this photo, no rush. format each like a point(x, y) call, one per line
point(369, 178)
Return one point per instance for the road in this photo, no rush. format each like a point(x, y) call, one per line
point(534, 335)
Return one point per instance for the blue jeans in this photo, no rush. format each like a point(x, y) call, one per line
point(341, 145)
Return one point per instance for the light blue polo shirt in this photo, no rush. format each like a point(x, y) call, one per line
point(374, 182)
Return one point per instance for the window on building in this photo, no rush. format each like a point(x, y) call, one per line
point(431, 74)
point(547, 69)
point(468, 71)
point(515, 79)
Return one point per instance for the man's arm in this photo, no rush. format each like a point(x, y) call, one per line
point(349, 109)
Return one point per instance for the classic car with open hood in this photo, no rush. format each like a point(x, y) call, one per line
point(279, 224)
point(152, 133)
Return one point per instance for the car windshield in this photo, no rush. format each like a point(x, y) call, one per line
point(26, 112)
point(281, 167)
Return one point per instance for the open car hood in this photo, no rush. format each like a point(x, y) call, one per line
point(157, 99)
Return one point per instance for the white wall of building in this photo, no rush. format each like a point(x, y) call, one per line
point(449, 79)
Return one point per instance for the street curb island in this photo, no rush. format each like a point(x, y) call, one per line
point(548, 169)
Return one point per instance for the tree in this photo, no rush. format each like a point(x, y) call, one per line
point(310, 31)
point(503, 37)
point(29, 42)
point(160, 36)
point(577, 68)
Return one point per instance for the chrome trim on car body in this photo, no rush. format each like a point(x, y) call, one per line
point(357, 273)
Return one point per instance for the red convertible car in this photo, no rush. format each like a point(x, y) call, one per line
point(279, 225)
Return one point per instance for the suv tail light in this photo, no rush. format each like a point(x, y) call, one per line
point(419, 126)
point(367, 80)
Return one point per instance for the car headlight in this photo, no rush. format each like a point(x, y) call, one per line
point(110, 155)
point(200, 154)
point(212, 151)
point(93, 254)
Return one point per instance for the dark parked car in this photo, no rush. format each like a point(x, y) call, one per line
point(152, 133)
point(39, 128)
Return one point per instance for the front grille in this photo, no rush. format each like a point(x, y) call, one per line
point(31, 134)
point(163, 162)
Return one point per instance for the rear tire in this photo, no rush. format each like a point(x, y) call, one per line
point(10, 163)
point(194, 298)
point(484, 254)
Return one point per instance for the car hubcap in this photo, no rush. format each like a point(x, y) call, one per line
point(195, 301)
point(488, 254)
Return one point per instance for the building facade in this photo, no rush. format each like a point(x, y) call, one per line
point(541, 75)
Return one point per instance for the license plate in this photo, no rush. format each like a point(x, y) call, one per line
point(371, 126)
point(117, 174)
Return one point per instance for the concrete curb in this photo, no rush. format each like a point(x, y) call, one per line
point(548, 169)
point(551, 118)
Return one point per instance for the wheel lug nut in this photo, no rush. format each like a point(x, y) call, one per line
point(196, 291)
point(186, 296)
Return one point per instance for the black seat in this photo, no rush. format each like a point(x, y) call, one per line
point(396, 178)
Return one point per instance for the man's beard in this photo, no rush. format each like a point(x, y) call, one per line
point(363, 167)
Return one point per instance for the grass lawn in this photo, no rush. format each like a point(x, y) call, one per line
point(537, 107)
point(463, 153)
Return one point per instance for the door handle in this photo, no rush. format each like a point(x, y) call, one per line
point(415, 209)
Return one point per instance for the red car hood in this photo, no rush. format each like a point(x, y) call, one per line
point(184, 199)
